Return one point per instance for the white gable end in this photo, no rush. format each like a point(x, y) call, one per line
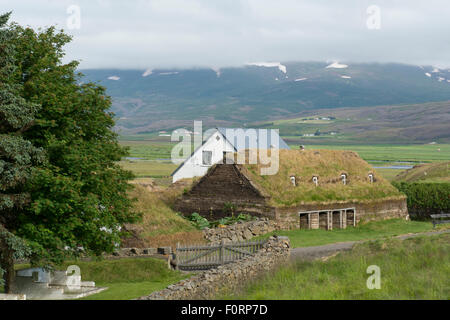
point(208, 154)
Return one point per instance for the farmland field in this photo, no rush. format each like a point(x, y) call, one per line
point(150, 155)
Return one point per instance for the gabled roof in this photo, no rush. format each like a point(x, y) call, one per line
point(234, 137)
point(238, 138)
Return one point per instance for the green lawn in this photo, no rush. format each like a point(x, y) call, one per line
point(127, 278)
point(370, 230)
point(415, 268)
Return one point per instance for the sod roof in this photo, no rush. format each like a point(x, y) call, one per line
point(328, 166)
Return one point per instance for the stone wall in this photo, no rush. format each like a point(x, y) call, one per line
point(230, 277)
point(240, 231)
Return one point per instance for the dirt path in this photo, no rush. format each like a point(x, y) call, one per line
point(325, 251)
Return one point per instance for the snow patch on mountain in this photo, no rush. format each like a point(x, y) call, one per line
point(336, 65)
point(168, 73)
point(269, 65)
point(217, 71)
point(147, 72)
point(115, 78)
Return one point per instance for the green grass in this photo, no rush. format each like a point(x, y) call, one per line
point(149, 150)
point(414, 153)
point(430, 172)
point(154, 148)
point(152, 169)
point(127, 278)
point(415, 268)
point(389, 174)
point(365, 231)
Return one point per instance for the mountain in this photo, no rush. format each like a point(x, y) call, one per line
point(392, 124)
point(151, 100)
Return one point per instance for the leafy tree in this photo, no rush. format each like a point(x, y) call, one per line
point(79, 196)
point(17, 158)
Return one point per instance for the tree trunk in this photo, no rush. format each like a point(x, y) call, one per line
point(7, 264)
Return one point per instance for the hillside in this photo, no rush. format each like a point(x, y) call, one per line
point(411, 123)
point(160, 225)
point(166, 99)
point(428, 172)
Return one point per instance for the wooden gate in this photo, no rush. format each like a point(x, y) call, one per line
point(211, 256)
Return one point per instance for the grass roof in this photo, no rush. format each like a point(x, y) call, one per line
point(327, 165)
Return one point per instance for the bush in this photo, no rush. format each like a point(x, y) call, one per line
point(198, 221)
point(426, 198)
point(201, 223)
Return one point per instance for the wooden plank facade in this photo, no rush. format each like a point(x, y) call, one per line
point(328, 219)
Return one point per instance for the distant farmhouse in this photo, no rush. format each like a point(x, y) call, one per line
point(223, 141)
point(312, 189)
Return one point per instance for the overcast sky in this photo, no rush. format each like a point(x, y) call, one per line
point(217, 33)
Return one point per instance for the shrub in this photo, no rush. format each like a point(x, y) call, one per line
point(201, 223)
point(198, 221)
point(426, 198)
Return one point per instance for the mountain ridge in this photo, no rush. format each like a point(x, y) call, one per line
point(151, 100)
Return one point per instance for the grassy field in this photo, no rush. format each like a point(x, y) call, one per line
point(149, 150)
point(413, 153)
point(389, 174)
point(415, 268)
point(367, 231)
point(149, 168)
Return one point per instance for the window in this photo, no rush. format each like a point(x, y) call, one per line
point(293, 181)
point(315, 180)
point(344, 178)
point(206, 159)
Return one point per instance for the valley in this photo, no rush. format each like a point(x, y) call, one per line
point(146, 102)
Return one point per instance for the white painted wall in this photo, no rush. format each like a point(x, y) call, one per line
point(194, 167)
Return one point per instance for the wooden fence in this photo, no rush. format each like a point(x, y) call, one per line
point(211, 256)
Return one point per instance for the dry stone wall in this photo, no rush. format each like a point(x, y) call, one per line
point(229, 277)
point(240, 231)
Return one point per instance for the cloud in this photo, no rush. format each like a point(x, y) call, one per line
point(216, 33)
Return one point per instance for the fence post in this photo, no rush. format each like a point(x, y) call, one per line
point(221, 252)
point(176, 256)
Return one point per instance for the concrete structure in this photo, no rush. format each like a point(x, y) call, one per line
point(222, 141)
point(41, 284)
